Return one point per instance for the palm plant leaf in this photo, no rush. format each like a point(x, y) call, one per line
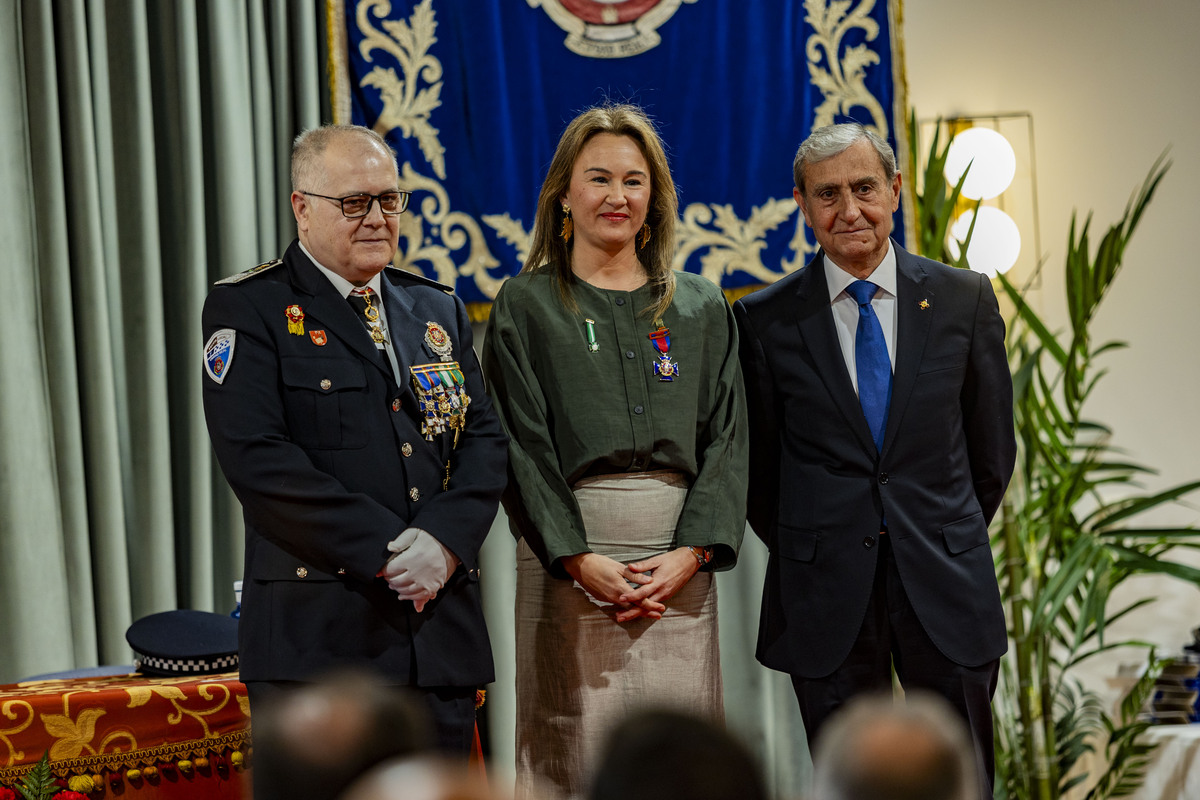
point(1124, 509)
point(1065, 543)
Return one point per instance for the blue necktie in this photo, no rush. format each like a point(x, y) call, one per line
point(871, 360)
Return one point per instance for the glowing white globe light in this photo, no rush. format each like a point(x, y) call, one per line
point(991, 158)
point(995, 242)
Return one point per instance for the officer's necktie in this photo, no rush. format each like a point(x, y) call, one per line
point(871, 360)
point(364, 302)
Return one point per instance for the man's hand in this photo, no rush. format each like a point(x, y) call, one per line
point(420, 567)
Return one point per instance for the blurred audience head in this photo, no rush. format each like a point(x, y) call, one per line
point(314, 740)
point(879, 749)
point(421, 777)
point(668, 755)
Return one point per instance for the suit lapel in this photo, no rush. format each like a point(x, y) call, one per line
point(820, 338)
point(407, 329)
point(912, 331)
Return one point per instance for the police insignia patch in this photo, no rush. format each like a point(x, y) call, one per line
point(218, 353)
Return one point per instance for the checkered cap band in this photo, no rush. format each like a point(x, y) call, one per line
point(190, 666)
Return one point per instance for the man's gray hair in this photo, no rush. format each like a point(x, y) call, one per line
point(877, 749)
point(831, 140)
point(308, 169)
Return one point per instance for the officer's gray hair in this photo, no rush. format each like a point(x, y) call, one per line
point(831, 140)
point(308, 169)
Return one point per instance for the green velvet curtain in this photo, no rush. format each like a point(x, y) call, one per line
point(143, 154)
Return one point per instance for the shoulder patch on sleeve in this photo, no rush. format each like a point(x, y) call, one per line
point(218, 353)
point(250, 273)
point(413, 278)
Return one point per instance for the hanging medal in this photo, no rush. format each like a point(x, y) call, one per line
point(295, 319)
point(664, 367)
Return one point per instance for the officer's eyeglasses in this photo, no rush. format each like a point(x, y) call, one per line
point(359, 205)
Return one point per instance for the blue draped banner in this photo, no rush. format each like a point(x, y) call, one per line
point(473, 94)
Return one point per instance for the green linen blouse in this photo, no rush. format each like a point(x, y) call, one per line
point(573, 411)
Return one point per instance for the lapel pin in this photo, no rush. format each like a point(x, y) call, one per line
point(924, 304)
point(318, 338)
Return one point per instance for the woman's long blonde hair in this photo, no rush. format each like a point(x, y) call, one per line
point(549, 251)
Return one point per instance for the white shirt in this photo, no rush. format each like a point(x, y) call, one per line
point(845, 307)
point(344, 288)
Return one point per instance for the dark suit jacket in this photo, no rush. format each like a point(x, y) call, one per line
point(327, 458)
point(818, 486)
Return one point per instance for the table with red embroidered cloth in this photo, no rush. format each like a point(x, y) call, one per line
point(130, 736)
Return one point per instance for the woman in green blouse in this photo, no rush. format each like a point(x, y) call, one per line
point(618, 382)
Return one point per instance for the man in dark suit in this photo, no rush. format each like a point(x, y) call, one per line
point(881, 445)
point(347, 410)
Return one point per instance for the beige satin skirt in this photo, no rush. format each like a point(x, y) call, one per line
point(578, 670)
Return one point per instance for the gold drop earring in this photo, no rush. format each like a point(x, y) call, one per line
point(568, 226)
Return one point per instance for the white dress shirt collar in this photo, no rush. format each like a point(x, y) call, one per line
point(343, 286)
point(884, 276)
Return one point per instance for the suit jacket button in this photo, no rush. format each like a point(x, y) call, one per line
point(406, 448)
point(396, 404)
point(869, 542)
point(342, 571)
point(883, 477)
point(414, 493)
point(474, 573)
point(301, 572)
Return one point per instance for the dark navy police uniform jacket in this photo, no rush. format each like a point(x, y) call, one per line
point(328, 459)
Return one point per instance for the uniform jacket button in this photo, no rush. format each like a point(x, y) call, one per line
point(301, 572)
point(414, 493)
point(326, 384)
point(869, 542)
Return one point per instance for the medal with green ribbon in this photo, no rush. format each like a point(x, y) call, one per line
point(664, 367)
point(442, 393)
point(590, 325)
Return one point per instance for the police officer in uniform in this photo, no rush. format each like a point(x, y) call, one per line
point(347, 411)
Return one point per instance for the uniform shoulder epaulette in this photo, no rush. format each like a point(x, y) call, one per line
point(250, 273)
point(420, 280)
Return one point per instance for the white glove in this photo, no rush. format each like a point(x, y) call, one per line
point(403, 541)
point(420, 567)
